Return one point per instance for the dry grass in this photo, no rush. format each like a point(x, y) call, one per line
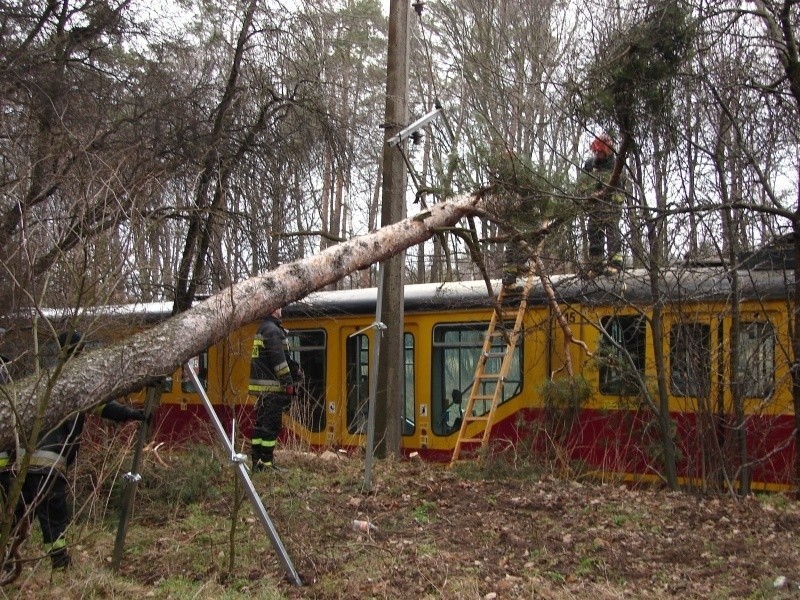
point(500, 531)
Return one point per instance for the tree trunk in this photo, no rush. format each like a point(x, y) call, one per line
point(664, 419)
point(130, 364)
point(193, 261)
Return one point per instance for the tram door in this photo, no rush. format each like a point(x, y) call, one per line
point(353, 407)
point(357, 374)
point(308, 348)
point(358, 369)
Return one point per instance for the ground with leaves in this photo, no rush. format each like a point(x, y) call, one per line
point(468, 532)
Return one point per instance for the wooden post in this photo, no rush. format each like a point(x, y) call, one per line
point(389, 400)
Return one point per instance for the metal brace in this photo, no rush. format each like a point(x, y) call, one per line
point(378, 325)
point(132, 477)
point(412, 132)
point(409, 131)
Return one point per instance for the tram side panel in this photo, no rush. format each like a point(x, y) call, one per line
point(440, 353)
point(585, 423)
point(704, 379)
point(610, 432)
point(760, 376)
point(449, 350)
point(181, 416)
point(616, 431)
point(224, 371)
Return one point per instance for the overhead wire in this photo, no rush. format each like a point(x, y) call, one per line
point(437, 130)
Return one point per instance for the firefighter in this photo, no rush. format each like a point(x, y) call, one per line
point(604, 207)
point(44, 491)
point(273, 374)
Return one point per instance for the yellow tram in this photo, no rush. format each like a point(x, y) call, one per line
point(729, 403)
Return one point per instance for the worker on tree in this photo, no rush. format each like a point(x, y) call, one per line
point(273, 374)
point(604, 207)
point(44, 491)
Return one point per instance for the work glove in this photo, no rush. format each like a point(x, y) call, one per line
point(137, 414)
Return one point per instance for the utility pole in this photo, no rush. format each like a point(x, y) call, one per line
point(390, 372)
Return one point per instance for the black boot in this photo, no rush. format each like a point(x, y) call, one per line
point(262, 462)
point(59, 559)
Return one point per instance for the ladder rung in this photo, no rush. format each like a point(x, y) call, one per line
point(508, 315)
point(471, 441)
point(495, 354)
point(475, 419)
point(500, 332)
point(479, 397)
point(489, 376)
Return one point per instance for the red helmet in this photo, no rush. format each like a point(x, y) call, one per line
point(602, 143)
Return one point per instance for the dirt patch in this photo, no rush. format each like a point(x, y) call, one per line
point(469, 532)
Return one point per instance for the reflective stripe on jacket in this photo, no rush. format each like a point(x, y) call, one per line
point(46, 459)
point(269, 362)
point(261, 386)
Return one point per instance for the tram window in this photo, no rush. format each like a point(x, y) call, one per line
point(456, 350)
point(621, 358)
point(409, 423)
point(308, 349)
point(357, 383)
point(756, 361)
point(690, 359)
point(198, 364)
point(166, 384)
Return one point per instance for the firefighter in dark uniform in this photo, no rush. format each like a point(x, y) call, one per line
point(272, 380)
point(604, 207)
point(44, 492)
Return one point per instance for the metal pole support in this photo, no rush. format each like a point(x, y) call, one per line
point(241, 468)
point(132, 478)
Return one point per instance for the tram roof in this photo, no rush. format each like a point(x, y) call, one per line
point(679, 284)
point(417, 297)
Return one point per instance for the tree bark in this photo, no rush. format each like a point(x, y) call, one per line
point(132, 363)
point(389, 394)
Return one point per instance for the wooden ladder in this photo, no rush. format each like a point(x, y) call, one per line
point(490, 355)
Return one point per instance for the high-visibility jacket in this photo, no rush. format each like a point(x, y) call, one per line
point(595, 177)
point(270, 363)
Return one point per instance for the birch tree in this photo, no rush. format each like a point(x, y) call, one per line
point(124, 367)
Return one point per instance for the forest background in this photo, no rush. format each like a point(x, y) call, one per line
point(151, 156)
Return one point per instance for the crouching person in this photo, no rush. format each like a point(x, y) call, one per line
point(45, 489)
